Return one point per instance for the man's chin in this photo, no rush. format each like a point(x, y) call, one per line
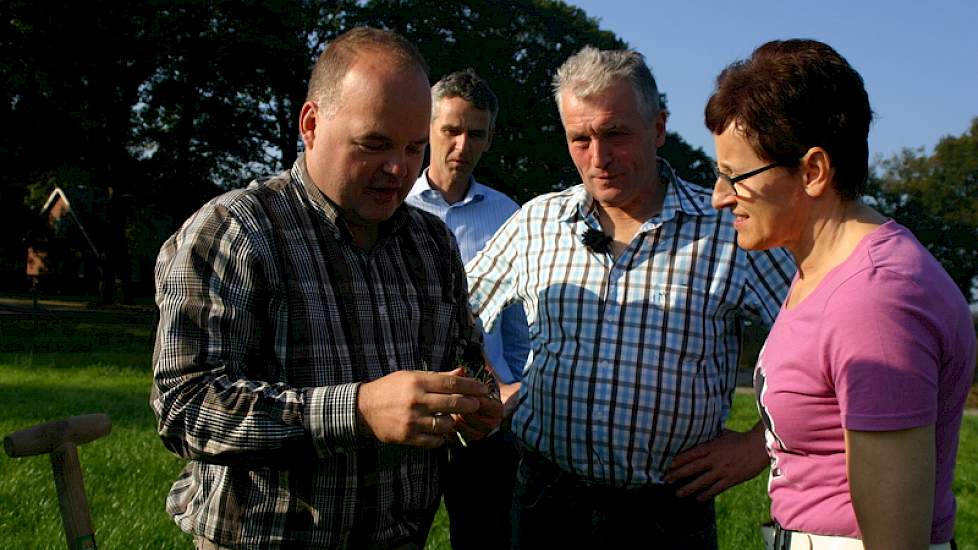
point(609, 197)
point(459, 175)
point(372, 217)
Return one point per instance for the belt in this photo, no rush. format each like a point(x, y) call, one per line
point(540, 464)
point(778, 538)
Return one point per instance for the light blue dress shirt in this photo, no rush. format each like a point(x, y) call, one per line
point(473, 220)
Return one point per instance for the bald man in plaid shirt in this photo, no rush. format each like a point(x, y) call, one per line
point(310, 329)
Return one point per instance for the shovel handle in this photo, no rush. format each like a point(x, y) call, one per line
point(45, 438)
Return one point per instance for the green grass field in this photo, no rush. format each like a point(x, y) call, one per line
point(65, 368)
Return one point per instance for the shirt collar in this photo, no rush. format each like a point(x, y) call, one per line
point(475, 192)
point(681, 196)
point(330, 211)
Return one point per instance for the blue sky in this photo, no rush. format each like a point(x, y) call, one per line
point(919, 59)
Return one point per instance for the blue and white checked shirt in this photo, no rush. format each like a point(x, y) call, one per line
point(473, 220)
point(633, 359)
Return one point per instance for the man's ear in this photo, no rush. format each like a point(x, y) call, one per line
point(492, 132)
point(818, 172)
point(308, 118)
point(659, 122)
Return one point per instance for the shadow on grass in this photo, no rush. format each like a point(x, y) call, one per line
point(30, 402)
point(84, 335)
point(67, 345)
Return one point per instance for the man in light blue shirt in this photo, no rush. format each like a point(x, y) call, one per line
point(479, 480)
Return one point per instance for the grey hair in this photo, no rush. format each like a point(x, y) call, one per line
point(592, 71)
point(468, 86)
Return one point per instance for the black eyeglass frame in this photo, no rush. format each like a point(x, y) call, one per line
point(733, 181)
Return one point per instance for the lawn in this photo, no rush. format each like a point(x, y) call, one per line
point(75, 366)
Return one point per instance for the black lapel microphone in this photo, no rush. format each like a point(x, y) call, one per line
point(596, 241)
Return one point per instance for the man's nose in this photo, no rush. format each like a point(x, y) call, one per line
point(462, 141)
point(396, 164)
point(600, 154)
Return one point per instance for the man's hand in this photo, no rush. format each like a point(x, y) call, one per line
point(481, 423)
point(715, 466)
point(508, 393)
point(416, 407)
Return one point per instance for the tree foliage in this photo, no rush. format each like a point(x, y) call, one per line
point(516, 46)
point(70, 73)
point(156, 106)
point(936, 197)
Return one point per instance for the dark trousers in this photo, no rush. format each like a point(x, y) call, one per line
point(555, 509)
point(479, 492)
point(422, 519)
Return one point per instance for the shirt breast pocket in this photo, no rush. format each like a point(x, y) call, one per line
point(686, 319)
point(688, 301)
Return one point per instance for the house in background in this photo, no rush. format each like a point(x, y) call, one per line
point(61, 256)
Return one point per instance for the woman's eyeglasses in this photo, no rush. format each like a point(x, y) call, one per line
point(734, 180)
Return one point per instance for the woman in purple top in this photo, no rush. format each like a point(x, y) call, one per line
point(863, 379)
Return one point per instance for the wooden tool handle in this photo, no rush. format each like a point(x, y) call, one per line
point(45, 438)
point(71, 496)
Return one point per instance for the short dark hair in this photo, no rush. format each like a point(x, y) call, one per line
point(468, 86)
point(791, 95)
point(339, 56)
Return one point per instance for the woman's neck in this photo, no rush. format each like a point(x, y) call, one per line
point(832, 238)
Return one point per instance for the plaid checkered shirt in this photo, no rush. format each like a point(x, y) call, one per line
point(633, 359)
point(269, 319)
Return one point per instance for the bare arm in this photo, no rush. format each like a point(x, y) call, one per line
point(891, 481)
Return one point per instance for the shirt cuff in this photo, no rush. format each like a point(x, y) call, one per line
point(331, 418)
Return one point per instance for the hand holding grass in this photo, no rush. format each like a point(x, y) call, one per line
point(416, 407)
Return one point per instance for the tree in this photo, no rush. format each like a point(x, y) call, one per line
point(517, 45)
point(170, 105)
point(68, 108)
point(176, 101)
point(222, 104)
point(936, 197)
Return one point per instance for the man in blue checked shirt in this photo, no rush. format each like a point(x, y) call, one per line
point(479, 480)
point(634, 289)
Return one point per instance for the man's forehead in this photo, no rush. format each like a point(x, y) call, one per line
point(457, 108)
point(619, 90)
point(601, 119)
point(372, 77)
point(377, 68)
point(611, 105)
point(460, 103)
